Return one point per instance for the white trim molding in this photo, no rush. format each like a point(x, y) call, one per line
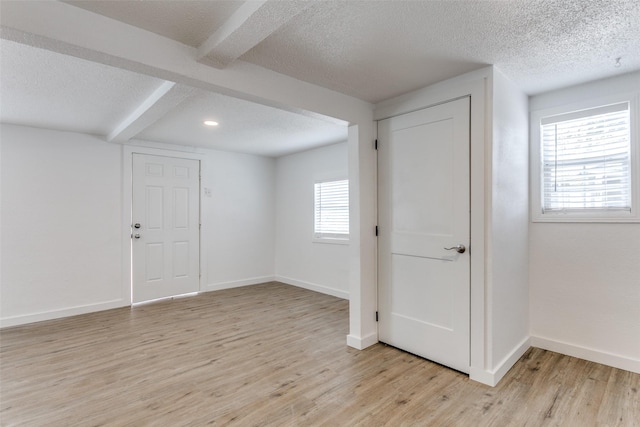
point(360, 343)
point(237, 283)
point(313, 287)
point(537, 214)
point(586, 353)
point(65, 312)
point(493, 377)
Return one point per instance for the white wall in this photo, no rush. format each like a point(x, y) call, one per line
point(62, 231)
point(238, 226)
point(300, 261)
point(61, 222)
point(585, 278)
point(507, 259)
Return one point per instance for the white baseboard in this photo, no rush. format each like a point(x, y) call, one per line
point(313, 287)
point(511, 359)
point(482, 376)
point(493, 377)
point(590, 354)
point(65, 312)
point(360, 343)
point(238, 283)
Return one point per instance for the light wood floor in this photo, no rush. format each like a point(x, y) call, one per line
point(274, 354)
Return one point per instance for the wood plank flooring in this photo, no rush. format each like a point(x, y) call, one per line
point(276, 355)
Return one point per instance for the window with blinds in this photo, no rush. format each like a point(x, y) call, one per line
point(331, 210)
point(586, 160)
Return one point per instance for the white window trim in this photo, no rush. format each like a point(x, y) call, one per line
point(537, 214)
point(328, 239)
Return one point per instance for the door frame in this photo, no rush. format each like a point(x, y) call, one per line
point(127, 205)
point(477, 86)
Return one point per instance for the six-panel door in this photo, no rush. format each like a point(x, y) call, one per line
point(166, 221)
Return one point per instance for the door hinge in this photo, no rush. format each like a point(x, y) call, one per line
point(376, 316)
point(376, 230)
point(375, 144)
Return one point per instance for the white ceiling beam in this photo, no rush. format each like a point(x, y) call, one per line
point(253, 22)
point(164, 99)
point(66, 29)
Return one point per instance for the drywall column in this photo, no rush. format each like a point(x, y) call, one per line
point(507, 290)
point(363, 330)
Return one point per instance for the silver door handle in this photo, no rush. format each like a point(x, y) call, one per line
point(459, 248)
point(136, 236)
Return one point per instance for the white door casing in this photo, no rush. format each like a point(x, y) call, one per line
point(165, 227)
point(424, 207)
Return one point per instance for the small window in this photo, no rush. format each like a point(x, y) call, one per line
point(586, 160)
point(586, 165)
point(331, 210)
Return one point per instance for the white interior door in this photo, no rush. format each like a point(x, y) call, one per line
point(166, 227)
point(424, 207)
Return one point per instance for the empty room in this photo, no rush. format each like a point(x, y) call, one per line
point(301, 213)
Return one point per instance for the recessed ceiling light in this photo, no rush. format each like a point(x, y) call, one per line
point(210, 123)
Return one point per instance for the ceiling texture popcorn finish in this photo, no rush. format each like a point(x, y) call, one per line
point(370, 50)
point(375, 50)
point(41, 88)
point(188, 22)
point(380, 49)
point(243, 126)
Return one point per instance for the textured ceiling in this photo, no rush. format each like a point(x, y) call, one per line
point(187, 21)
point(375, 50)
point(244, 127)
point(45, 89)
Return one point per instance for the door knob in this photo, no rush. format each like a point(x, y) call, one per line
point(137, 236)
point(136, 225)
point(459, 248)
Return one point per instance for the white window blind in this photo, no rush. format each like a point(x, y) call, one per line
point(331, 209)
point(586, 160)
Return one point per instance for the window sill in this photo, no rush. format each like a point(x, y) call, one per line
point(330, 241)
point(588, 217)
